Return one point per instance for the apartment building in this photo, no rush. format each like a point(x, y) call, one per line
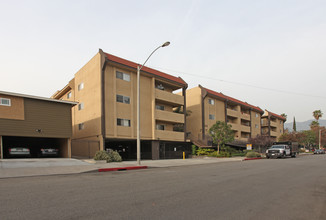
point(106, 116)
point(272, 125)
point(34, 122)
point(207, 107)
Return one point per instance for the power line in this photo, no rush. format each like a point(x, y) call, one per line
point(243, 84)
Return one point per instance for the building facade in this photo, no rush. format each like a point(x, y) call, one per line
point(106, 116)
point(272, 125)
point(207, 106)
point(35, 123)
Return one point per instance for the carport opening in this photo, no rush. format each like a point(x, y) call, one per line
point(34, 145)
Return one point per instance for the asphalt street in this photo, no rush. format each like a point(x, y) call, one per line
point(292, 188)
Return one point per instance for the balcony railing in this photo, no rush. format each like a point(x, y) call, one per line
point(169, 135)
point(245, 128)
point(169, 116)
point(233, 113)
point(169, 97)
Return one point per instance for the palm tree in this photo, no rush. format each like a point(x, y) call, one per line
point(317, 114)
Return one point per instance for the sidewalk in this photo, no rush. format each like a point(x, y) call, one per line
point(40, 167)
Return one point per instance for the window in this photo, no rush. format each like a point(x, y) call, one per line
point(123, 76)
point(69, 95)
point(81, 126)
point(4, 101)
point(211, 117)
point(80, 106)
point(123, 122)
point(123, 99)
point(80, 86)
point(256, 126)
point(160, 107)
point(256, 115)
point(160, 127)
point(211, 101)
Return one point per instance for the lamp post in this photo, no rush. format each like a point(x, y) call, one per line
point(138, 100)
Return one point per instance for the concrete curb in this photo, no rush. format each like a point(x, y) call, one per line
point(122, 168)
point(255, 158)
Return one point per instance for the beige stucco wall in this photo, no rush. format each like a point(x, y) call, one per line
point(90, 96)
point(15, 111)
point(218, 110)
point(194, 120)
point(114, 109)
point(255, 120)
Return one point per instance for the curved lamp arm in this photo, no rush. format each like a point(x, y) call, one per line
point(163, 45)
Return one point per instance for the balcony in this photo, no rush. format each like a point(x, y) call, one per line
point(233, 113)
point(242, 139)
point(274, 124)
point(235, 127)
point(264, 123)
point(274, 134)
point(169, 116)
point(168, 97)
point(245, 116)
point(245, 128)
point(169, 135)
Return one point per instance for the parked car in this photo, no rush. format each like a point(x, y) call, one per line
point(49, 151)
point(19, 152)
point(319, 151)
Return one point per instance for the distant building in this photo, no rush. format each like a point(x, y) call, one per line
point(106, 116)
point(272, 125)
point(208, 106)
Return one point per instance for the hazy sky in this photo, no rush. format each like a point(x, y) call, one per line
point(268, 53)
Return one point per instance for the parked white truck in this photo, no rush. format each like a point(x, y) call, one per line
point(283, 149)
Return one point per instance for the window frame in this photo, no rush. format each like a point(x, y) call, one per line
point(81, 106)
point(69, 94)
point(123, 122)
point(5, 104)
point(80, 86)
point(160, 107)
point(123, 76)
point(81, 126)
point(159, 126)
point(123, 99)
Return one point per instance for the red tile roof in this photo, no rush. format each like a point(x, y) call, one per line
point(277, 116)
point(228, 98)
point(145, 69)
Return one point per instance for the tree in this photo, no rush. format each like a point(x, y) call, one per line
point(221, 134)
point(261, 142)
point(314, 124)
point(284, 115)
point(310, 138)
point(294, 125)
point(317, 114)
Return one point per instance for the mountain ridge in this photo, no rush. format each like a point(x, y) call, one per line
point(305, 125)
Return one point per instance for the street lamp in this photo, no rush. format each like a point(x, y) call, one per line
point(138, 100)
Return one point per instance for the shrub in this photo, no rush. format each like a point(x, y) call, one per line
point(101, 155)
point(221, 154)
point(203, 151)
point(252, 154)
point(114, 156)
point(194, 149)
